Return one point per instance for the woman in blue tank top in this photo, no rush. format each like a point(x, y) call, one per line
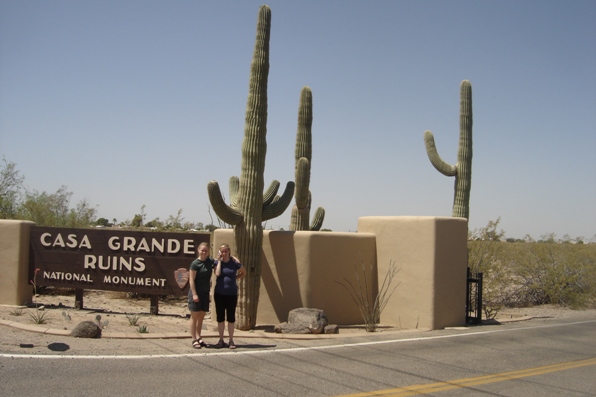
point(227, 271)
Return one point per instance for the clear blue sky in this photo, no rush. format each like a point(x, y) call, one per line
point(132, 103)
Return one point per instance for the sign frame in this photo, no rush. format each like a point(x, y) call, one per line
point(144, 262)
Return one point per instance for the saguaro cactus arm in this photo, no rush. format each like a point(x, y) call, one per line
point(279, 203)
point(271, 193)
point(234, 186)
point(318, 219)
point(433, 155)
point(225, 212)
point(302, 182)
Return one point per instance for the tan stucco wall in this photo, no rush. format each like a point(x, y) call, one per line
point(300, 269)
point(14, 262)
point(431, 253)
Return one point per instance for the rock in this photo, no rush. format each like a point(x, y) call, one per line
point(287, 328)
point(332, 329)
point(86, 329)
point(304, 321)
point(313, 319)
point(278, 329)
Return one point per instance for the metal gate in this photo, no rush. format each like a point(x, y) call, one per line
point(474, 298)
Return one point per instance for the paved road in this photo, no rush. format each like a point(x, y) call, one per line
point(533, 358)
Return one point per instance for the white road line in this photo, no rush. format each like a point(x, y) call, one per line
point(288, 350)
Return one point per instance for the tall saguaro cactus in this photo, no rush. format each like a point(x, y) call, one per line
point(249, 207)
point(462, 170)
point(303, 155)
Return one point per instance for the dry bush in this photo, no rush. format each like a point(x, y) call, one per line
point(519, 274)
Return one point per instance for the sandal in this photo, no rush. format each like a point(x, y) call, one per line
point(232, 345)
point(201, 343)
point(196, 344)
point(220, 344)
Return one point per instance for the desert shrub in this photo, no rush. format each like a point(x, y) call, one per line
point(486, 255)
point(548, 272)
point(518, 274)
point(370, 305)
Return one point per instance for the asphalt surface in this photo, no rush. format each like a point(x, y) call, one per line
point(541, 357)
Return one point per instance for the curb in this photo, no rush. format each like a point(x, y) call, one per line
point(243, 334)
point(174, 335)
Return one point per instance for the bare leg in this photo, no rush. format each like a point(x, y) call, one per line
point(193, 325)
point(220, 329)
point(231, 331)
point(196, 324)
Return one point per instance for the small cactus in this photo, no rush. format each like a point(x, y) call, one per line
point(101, 324)
point(133, 319)
point(66, 316)
point(462, 170)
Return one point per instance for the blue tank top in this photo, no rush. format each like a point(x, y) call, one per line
point(226, 284)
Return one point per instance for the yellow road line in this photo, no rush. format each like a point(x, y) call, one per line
point(469, 382)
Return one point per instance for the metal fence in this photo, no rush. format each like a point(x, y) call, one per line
point(474, 298)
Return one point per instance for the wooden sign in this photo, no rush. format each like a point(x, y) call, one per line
point(111, 259)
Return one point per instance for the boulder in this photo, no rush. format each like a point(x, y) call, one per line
point(287, 328)
point(304, 321)
point(86, 329)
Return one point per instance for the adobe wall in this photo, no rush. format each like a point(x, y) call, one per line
point(431, 253)
point(14, 262)
point(302, 269)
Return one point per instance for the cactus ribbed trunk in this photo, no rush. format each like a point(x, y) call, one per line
point(249, 232)
point(249, 207)
point(249, 240)
point(463, 179)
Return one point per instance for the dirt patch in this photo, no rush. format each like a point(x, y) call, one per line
point(115, 311)
point(168, 332)
point(118, 313)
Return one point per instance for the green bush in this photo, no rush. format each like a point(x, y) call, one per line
point(553, 273)
point(486, 253)
point(519, 274)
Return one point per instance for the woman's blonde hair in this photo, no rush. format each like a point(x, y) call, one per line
point(203, 244)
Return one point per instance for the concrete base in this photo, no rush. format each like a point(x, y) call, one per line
point(15, 288)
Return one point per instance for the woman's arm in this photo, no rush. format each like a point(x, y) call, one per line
point(218, 268)
point(241, 273)
point(193, 288)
